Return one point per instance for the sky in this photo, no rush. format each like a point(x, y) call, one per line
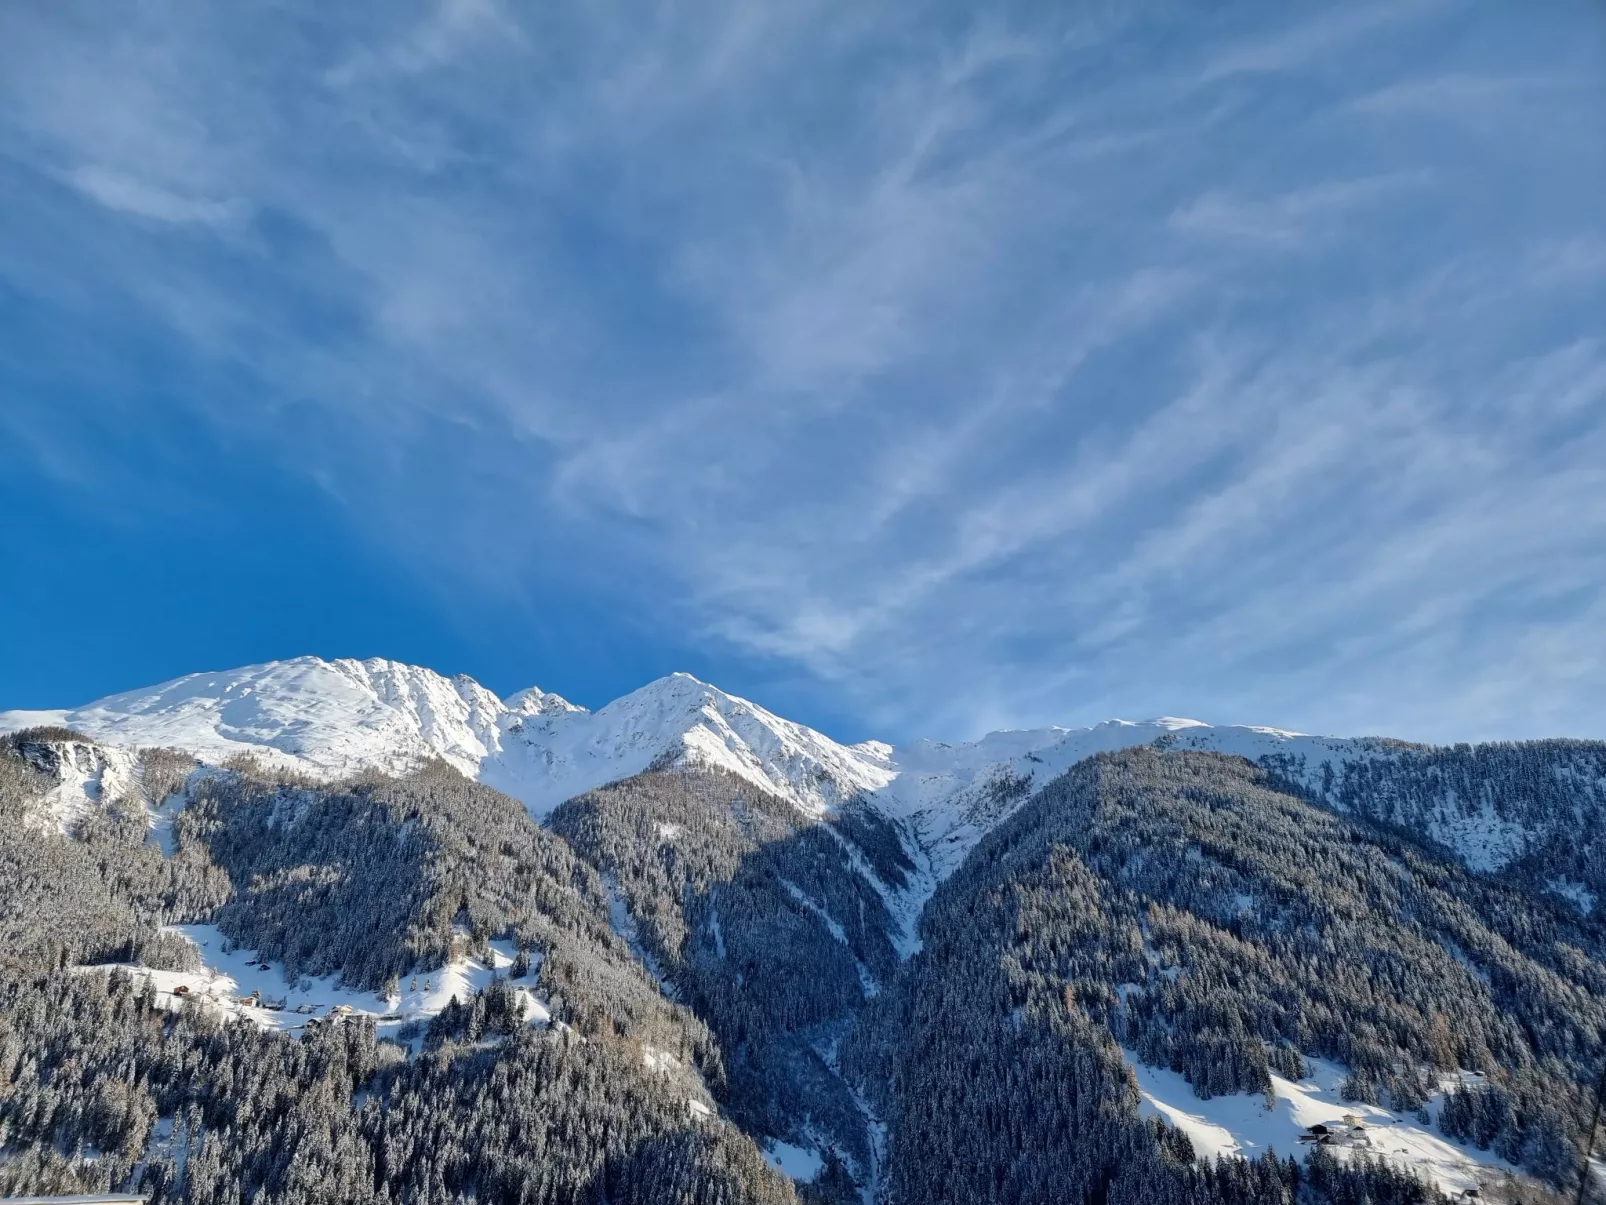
point(911, 369)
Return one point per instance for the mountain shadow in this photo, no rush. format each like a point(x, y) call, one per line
point(773, 926)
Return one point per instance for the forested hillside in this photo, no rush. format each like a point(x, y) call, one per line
point(102, 1086)
point(722, 969)
point(1181, 907)
point(1535, 810)
point(103, 895)
point(771, 925)
point(377, 877)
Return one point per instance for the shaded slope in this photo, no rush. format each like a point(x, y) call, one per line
point(773, 926)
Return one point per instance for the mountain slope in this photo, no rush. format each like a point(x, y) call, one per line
point(726, 900)
point(557, 755)
point(953, 794)
point(331, 719)
point(1532, 811)
point(774, 926)
point(1183, 911)
point(110, 1083)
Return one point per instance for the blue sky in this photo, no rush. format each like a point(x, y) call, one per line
point(911, 369)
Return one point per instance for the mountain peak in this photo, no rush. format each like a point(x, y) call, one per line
point(532, 700)
point(683, 719)
point(324, 717)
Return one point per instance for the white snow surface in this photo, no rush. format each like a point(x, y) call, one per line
point(800, 1163)
point(332, 718)
point(1242, 1125)
point(227, 980)
point(1484, 841)
point(86, 776)
point(953, 794)
point(556, 755)
point(322, 717)
point(1577, 894)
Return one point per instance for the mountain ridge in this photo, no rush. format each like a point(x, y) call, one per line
point(331, 718)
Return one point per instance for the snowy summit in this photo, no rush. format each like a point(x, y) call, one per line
point(334, 718)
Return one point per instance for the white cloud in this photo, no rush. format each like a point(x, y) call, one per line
point(1324, 39)
point(1311, 214)
point(127, 194)
point(1470, 97)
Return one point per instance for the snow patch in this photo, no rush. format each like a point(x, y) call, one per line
point(87, 776)
point(903, 905)
point(1481, 839)
point(624, 924)
point(797, 1162)
point(1575, 893)
point(239, 984)
point(660, 1061)
point(535, 1011)
point(713, 925)
point(1243, 1126)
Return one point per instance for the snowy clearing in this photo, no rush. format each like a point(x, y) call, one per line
point(1242, 1125)
point(800, 1163)
point(1576, 894)
point(239, 984)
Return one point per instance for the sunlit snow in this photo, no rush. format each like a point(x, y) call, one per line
point(331, 718)
point(1242, 1125)
point(239, 984)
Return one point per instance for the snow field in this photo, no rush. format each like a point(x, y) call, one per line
point(239, 984)
point(1241, 1125)
point(798, 1162)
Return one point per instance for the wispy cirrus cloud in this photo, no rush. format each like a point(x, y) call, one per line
point(132, 195)
point(1033, 368)
point(1309, 215)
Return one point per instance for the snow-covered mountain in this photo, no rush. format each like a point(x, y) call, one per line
point(822, 917)
point(332, 718)
point(952, 794)
point(326, 718)
point(553, 755)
